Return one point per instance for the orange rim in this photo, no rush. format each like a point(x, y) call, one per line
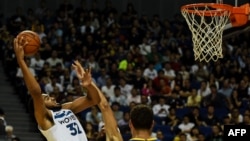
point(219, 9)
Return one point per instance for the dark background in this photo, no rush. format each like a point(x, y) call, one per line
point(164, 8)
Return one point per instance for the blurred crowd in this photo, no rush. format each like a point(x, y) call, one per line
point(134, 58)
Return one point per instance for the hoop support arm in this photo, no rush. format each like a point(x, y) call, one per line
point(240, 15)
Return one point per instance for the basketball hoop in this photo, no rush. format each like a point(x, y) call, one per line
point(206, 21)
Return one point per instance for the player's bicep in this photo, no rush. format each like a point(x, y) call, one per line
point(78, 104)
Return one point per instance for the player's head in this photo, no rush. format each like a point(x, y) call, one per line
point(50, 102)
point(141, 118)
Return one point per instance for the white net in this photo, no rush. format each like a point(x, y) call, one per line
point(207, 25)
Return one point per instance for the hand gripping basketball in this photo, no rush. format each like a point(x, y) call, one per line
point(33, 42)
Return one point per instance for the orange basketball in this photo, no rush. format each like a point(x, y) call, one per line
point(33, 42)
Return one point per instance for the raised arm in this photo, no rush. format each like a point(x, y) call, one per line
point(32, 85)
point(92, 97)
point(111, 127)
point(95, 96)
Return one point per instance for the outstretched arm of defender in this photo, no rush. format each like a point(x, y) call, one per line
point(111, 127)
point(92, 98)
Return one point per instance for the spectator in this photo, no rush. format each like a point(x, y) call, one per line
point(243, 90)
point(246, 120)
point(216, 99)
point(235, 116)
point(37, 63)
point(54, 59)
point(135, 37)
point(194, 100)
point(92, 62)
point(225, 121)
point(171, 119)
point(200, 72)
point(130, 73)
point(40, 11)
point(109, 88)
point(103, 78)
point(184, 72)
point(195, 117)
point(87, 28)
point(16, 21)
point(19, 73)
point(51, 85)
point(150, 73)
point(138, 81)
point(65, 78)
point(185, 90)
point(59, 96)
point(116, 110)
point(216, 133)
point(204, 89)
point(10, 135)
point(160, 135)
point(213, 81)
point(67, 55)
point(161, 109)
point(210, 118)
point(158, 64)
point(3, 124)
point(134, 96)
point(186, 125)
point(145, 48)
point(148, 89)
point(6, 130)
point(94, 116)
point(123, 64)
point(125, 120)
point(161, 83)
point(165, 89)
point(235, 100)
point(226, 90)
point(145, 100)
point(168, 71)
point(201, 137)
point(131, 11)
point(58, 71)
point(181, 137)
point(125, 87)
point(194, 134)
point(21, 89)
point(90, 131)
point(118, 97)
point(175, 100)
point(93, 19)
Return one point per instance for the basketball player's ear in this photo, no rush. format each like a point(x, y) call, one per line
point(130, 124)
point(15, 42)
point(153, 124)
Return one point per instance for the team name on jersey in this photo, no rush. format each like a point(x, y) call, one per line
point(64, 117)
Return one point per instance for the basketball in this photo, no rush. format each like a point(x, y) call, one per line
point(33, 42)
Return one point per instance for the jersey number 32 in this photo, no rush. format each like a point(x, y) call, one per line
point(74, 128)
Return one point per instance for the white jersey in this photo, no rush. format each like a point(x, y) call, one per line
point(67, 127)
